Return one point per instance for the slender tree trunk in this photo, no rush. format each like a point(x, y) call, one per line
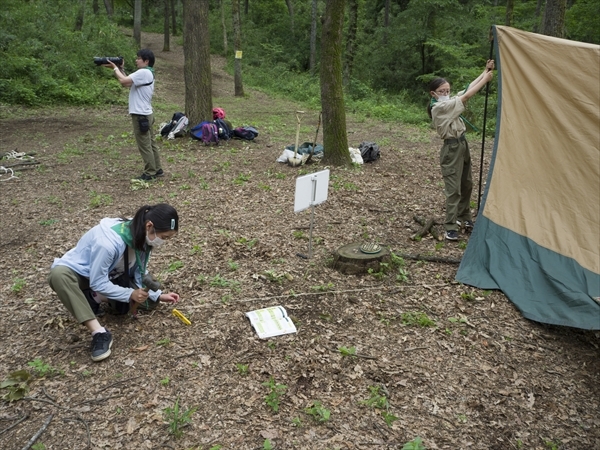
point(538, 12)
point(237, 48)
point(290, 8)
point(313, 37)
point(196, 66)
point(224, 27)
point(553, 22)
point(510, 7)
point(386, 21)
point(80, 14)
point(95, 7)
point(335, 139)
point(166, 31)
point(137, 23)
point(246, 7)
point(109, 8)
point(174, 17)
point(350, 40)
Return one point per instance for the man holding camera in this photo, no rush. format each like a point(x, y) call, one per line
point(141, 89)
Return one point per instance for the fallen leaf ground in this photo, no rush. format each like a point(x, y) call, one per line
point(482, 377)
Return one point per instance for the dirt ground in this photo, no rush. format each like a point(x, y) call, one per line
point(481, 377)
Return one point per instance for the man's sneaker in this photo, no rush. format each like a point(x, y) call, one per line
point(145, 177)
point(452, 235)
point(468, 226)
point(160, 173)
point(101, 344)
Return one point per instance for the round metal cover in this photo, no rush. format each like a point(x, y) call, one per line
point(370, 248)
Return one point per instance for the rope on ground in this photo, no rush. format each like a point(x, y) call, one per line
point(5, 171)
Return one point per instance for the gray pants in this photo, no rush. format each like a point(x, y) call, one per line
point(455, 160)
point(147, 145)
point(69, 286)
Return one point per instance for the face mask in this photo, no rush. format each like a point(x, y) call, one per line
point(156, 242)
point(443, 98)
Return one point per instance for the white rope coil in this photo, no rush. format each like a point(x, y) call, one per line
point(5, 171)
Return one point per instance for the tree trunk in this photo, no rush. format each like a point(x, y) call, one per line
point(245, 7)
point(313, 37)
point(174, 17)
point(237, 48)
point(510, 7)
point(80, 14)
point(109, 8)
point(137, 23)
point(335, 139)
point(166, 31)
point(538, 11)
point(196, 66)
point(290, 8)
point(95, 7)
point(224, 28)
point(350, 260)
point(553, 21)
point(386, 20)
point(350, 40)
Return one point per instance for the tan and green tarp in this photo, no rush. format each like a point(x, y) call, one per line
point(537, 235)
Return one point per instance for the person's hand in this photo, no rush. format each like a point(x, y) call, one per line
point(171, 297)
point(139, 296)
point(488, 76)
point(489, 65)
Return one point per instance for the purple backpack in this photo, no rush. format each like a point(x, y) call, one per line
point(210, 133)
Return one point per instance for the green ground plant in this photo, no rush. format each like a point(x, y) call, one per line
point(18, 285)
point(378, 400)
point(347, 351)
point(415, 444)
point(178, 417)
point(41, 369)
point(318, 412)
point(242, 369)
point(419, 319)
point(276, 391)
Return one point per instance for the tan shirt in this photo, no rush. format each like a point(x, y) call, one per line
point(446, 118)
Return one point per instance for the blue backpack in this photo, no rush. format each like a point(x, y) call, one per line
point(206, 132)
point(196, 132)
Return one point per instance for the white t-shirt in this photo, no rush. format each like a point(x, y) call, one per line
point(140, 96)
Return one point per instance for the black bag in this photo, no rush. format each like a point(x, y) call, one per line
point(369, 151)
point(123, 280)
point(246, 132)
point(144, 124)
point(224, 129)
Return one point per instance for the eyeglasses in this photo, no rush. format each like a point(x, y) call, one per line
point(445, 92)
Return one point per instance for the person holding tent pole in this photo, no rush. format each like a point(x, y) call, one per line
point(455, 157)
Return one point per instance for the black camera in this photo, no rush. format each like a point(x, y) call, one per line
point(117, 60)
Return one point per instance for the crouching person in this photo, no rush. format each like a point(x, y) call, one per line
point(109, 262)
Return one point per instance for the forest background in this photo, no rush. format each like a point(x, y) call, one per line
point(392, 49)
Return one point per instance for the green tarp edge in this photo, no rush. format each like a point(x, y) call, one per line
point(543, 285)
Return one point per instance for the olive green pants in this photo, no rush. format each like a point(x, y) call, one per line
point(147, 145)
point(69, 287)
point(455, 160)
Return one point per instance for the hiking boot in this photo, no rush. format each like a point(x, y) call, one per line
point(468, 226)
point(160, 173)
point(145, 177)
point(101, 344)
point(452, 235)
